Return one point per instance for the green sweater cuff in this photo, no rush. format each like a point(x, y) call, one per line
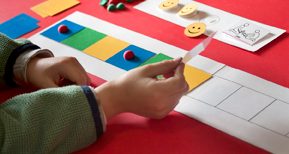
point(94, 109)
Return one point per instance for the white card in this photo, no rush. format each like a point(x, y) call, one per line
point(216, 20)
point(247, 32)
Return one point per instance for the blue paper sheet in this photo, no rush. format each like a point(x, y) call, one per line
point(18, 26)
point(53, 33)
point(141, 55)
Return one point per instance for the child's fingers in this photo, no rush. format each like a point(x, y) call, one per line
point(73, 71)
point(176, 83)
point(163, 67)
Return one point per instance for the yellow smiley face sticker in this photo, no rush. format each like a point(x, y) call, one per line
point(195, 29)
point(168, 4)
point(188, 9)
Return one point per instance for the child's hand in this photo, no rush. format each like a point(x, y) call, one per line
point(139, 92)
point(52, 71)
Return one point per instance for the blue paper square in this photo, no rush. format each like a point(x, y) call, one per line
point(141, 55)
point(18, 26)
point(53, 33)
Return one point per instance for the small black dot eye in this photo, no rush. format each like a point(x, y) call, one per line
point(199, 28)
point(194, 27)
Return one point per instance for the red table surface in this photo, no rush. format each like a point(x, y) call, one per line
point(127, 133)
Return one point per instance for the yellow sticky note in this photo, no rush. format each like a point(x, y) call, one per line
point(53, 7)
point(195, 76)
point(106, 48)
point(40, 9)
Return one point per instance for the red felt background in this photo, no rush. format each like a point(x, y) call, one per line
point(176, 133)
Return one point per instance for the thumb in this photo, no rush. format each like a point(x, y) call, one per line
point(163, 67)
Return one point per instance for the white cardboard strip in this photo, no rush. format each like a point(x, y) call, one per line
point(253, 82)
point(129, 36)
point(234, 126)
point(206, 64)
point(276, 122)
point(214, 91)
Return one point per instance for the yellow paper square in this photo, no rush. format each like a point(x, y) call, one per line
point(53, 7)
point(39, 9)
point(195, 76)
point(106, 48)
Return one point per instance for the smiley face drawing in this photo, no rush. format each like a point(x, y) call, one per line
point(168, 4)
point(188, 9)
point(195, 29)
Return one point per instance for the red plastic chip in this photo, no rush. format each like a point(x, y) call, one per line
point(62, 29)
point(128, 55)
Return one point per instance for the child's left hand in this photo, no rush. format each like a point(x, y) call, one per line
point(52, 71)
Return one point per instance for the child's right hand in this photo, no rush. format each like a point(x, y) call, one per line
point(139, 92)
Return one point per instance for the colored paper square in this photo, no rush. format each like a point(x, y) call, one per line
point(141, 55)
point(40, 9)
point(56, 6)
point(53, 7)
point(53, 33)
point(195, 77)
point(106, 48)
point(157, 58)
point(18, 26)
point(83, 39)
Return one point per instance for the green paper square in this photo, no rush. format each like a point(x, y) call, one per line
point(83, 39)
point(157, 58)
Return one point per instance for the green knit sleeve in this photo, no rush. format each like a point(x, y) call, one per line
point(56, 120)
point(9, 50)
